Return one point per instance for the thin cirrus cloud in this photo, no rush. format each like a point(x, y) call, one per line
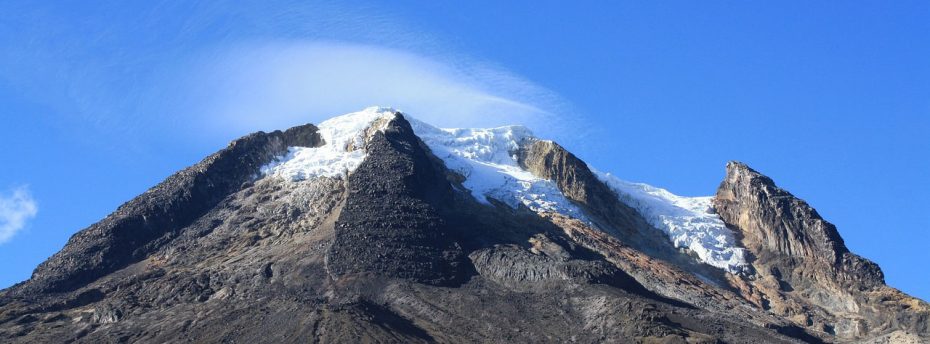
point(17, 207)
point(277, 85)
point(176, 72)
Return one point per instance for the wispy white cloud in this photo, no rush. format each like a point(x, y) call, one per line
point(177, 73)
point(281, 84)
point(16, 208)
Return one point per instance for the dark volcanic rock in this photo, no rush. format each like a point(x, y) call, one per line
point(520, 269)
point(390, 224)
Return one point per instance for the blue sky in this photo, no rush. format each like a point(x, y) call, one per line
point(832, 100)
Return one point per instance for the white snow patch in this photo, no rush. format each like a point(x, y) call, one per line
point(486, 157)
point(341, 153)
point(689, 222)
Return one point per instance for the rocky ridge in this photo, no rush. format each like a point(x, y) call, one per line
point(804, 269)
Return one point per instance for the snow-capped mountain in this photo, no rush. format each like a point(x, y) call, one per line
point(487, 159)
point(376, 227)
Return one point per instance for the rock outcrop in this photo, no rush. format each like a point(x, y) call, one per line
point(804, 270)
point(778, 226)
point(549, 160)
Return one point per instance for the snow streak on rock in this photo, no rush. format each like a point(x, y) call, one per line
point(486, 157)
point(342, 150)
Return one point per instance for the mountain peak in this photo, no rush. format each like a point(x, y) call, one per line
point(374, 226)
point(745, 191)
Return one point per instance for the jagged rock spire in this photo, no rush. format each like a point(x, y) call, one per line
point(772, 219)
point(776, 225)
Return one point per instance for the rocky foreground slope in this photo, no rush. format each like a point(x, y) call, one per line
point(374, 227)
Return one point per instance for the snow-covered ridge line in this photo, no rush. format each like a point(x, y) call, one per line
point(689, 222)
point(487, 159)
point(342, 150)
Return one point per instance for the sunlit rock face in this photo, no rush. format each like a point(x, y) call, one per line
point(804, 269)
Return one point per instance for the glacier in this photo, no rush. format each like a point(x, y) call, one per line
point(689, 222)
point(341, 153)
point(486, 158)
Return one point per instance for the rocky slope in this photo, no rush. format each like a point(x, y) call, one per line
point(375, 228)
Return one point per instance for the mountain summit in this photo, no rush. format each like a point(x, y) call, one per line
point(375, 227)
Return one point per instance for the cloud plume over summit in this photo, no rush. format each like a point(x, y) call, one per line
point(276, 85)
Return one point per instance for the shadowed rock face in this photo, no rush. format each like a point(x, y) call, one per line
point(390, 223)
point(397, 252)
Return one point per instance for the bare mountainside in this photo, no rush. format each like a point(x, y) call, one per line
point(374, 227)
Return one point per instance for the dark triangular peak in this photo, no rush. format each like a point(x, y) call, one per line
point(390, 223)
